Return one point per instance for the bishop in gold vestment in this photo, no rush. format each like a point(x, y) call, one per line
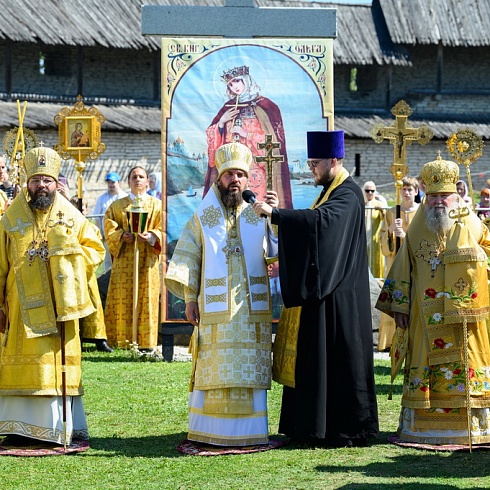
point(48, 250)
point(219, 269)
point(436, 290)
point(120, 241)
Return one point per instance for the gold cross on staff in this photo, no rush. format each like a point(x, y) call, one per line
point(269, 146)
point(401, 134)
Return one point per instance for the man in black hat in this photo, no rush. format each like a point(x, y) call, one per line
point(323, 352)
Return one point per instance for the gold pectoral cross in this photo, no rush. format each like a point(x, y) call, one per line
point(233, 243)
point(233, 247)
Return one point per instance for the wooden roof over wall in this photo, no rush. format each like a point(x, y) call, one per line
point(366, 35)
point(40, 115)
point(451, 22)
point(118, 25)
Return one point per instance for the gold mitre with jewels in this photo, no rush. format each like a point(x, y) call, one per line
point(42, 161)
point(440, 176)
point(233, 156)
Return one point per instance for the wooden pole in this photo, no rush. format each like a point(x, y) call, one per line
point(63, 379)
point(467, 381)
point(135, 288)
point(398, 210)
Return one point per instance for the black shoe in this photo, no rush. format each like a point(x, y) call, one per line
point(16, 440)
point(339, 442)
point(103, 346)
point(307, 441)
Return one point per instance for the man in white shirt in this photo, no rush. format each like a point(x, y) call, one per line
point(113, 193)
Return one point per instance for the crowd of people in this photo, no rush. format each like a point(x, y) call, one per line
point(434, 301)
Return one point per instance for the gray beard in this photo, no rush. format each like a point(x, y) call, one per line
point(438, 221)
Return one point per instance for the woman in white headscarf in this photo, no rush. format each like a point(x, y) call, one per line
point(374, 219)
point(155, 184)
point(462, 188)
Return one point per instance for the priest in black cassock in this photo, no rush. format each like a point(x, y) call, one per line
point(323, 351)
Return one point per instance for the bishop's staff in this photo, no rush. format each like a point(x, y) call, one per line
point(138, 220)
point(400, 134)
point(465, 146)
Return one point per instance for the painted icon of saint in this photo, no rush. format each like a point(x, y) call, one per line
point(247, 117)
point(79, 137)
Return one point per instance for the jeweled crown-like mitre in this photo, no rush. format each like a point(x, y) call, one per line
point(42, 161)
point(233, 156)
point(440, 176)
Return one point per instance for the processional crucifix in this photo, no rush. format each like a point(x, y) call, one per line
point(400, 135)
point(269, 146)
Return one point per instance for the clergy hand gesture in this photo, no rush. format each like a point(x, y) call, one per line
point(128, 237)
point(397, 228)
point(271, 199)
point(401, 320)
point(264, 208)
point(192, 312)
point(147, 237)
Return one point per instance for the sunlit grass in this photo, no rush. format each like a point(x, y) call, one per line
point(137, 415)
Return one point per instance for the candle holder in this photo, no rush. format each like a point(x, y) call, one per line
point(137, 216)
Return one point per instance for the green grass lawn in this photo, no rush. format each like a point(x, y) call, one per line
point(137, 415)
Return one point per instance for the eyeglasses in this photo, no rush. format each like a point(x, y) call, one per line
point(369, 190)
point(38, 182)
point(313, 163)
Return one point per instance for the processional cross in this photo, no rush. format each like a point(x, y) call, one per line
point(400, 135)
point(269, 158)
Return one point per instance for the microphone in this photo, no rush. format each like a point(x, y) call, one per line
point(248, 196)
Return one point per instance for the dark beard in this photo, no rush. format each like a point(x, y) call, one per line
point(230, 200)
point(41, 202)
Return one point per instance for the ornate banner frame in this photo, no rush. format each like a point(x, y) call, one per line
point(79, 132)
point(293, 78)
